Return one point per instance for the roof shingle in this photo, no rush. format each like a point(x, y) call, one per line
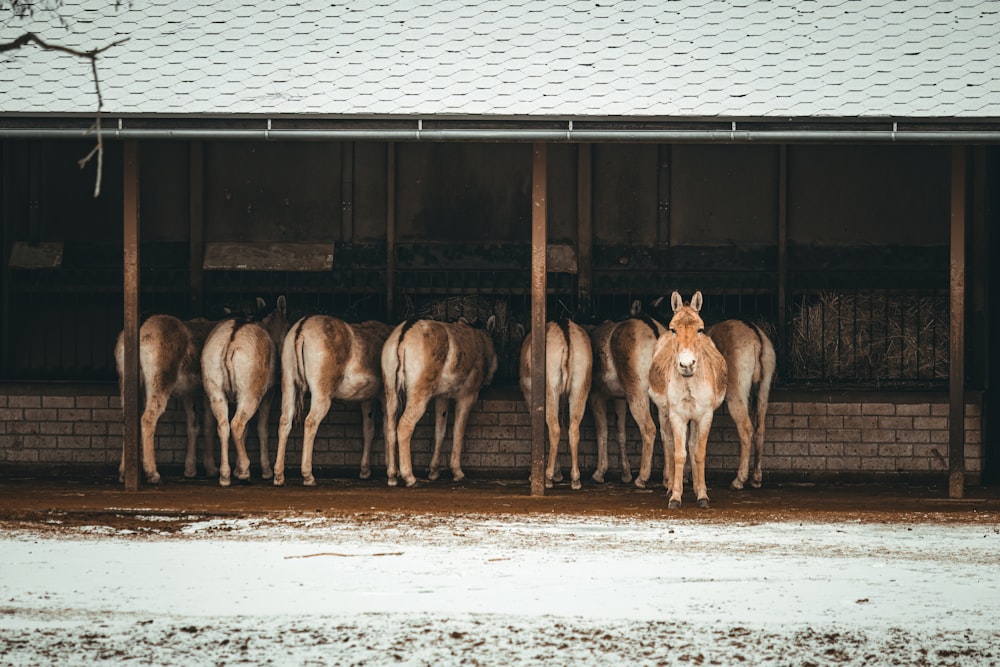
point(687, 58)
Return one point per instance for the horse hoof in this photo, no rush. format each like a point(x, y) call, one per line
point(392, 481)
point(640, 484)
point(548, 483)
point(190, 473)
point(365, 474)
point(756, 483)
point(154, 478)
point(458, 476)
point(598, 478)
point(267, 474)
point(224, 481)
point(411, 482)
point(703, 503)
point(674, 505)
point(211, 472)
point(432, 475)
point(279, 480)
point(737, 485)
point(576, 485)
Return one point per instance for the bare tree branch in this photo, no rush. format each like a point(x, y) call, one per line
point(91, 55)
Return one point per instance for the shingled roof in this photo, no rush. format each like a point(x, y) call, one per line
point(678, 59)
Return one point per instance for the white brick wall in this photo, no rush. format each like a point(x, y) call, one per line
point(810, 437)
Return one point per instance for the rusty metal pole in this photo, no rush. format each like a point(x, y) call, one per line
point(584, 226)
point(390, 232)
point(538, 270)
point(956, 372)
point(130, 258)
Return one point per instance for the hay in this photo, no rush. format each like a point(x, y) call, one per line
point(869, 338)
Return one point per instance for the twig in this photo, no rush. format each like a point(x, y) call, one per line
point(91, 55)
point(332, 553)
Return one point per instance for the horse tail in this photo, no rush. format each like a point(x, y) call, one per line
point(400, 379)
point(760, 385)
point(299, 370)
point(229, 357)
point(643, 317)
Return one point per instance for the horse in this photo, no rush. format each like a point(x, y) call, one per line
point(568, 368)
point(425, 359)
point(240, 364)
point(687, 382)
point(169, 365)
point(751, 362)
point(623, 352)
point(329, 359)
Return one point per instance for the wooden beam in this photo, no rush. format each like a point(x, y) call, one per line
point(130, 258)
point(390, 232)
point(782, 247)
point(347, 191)
point(584, 227)
point(6, 224)
point(664, 156)
point(196, 221)
point(956, 373)
point(539, 239)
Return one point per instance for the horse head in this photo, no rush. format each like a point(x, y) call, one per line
point(688, 330)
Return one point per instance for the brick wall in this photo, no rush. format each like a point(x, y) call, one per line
point(68, 430)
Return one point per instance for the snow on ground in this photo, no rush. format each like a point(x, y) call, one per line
point(422, 590)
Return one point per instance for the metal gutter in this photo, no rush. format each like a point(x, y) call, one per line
point(569, 135)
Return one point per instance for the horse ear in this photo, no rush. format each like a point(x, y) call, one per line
point(281, 305)
point(260, 304)
point(676, 302)
point(491, 324)
point(696, 301)
point(656, 302)
point(636, 308)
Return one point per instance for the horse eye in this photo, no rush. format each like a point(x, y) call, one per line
point(673, 331)
point(701, 331)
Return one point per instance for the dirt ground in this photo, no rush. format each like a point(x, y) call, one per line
point(482, 573)
point(34, 502)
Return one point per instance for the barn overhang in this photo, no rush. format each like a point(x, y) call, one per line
point(556, 130)
point(135, 129)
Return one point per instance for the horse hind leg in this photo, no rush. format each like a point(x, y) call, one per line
point(555, 434)
point(156, 405)
point(190, 458)
point(463, 406)
point(208, 446)
point(599, 407)
point(263, 419)
point(763, 396)
point(220, 409)
point(440, 430)
point(319, 407)
point(245, 409)
point(620, 424)
point(737, 408)
point(368, 432)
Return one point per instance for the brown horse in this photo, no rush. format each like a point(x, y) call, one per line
point(424, 359)
point(687, 381)
point(169, 365)
point(568, 365)
point(329, 359)
point(240, 364)
point(751, 362)
point(623, 352)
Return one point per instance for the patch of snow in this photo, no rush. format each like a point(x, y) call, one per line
point(535, 589)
